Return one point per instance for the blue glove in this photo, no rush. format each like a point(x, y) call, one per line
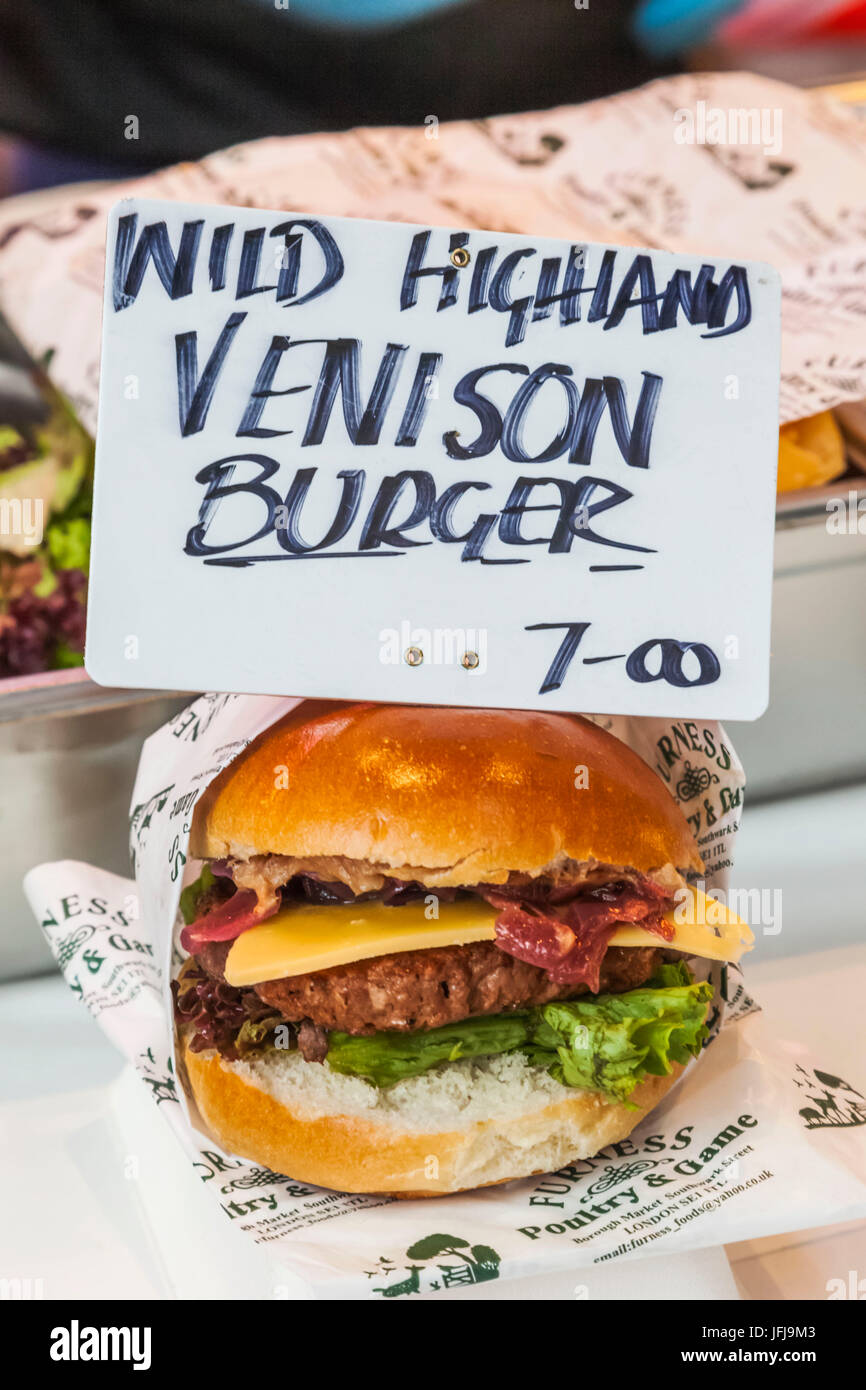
point(361, 14)
point(664, 27)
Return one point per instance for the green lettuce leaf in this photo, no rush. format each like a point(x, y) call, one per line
point(610, 1043)
point(69, 544)
point(251, 1035)
point(388, 1057)
point(65, 657)
point(190, 894)
point(606, 1042)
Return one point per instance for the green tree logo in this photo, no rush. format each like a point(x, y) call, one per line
point(474, 1264)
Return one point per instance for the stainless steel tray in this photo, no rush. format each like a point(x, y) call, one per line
point(68, 754)
point(813, 734)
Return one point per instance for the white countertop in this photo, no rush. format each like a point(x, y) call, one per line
point(75, 1220)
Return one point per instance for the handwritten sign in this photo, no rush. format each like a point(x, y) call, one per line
point(378, 461)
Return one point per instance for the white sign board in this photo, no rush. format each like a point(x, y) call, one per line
point(377, 461)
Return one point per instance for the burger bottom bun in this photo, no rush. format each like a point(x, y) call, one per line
point(466, 1124)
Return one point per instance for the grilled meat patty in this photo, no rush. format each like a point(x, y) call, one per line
point(411, 990)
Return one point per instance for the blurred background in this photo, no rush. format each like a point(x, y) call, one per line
point(209, 73)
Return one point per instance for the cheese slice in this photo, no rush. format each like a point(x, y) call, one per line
point(300, 940)
point(702, 927)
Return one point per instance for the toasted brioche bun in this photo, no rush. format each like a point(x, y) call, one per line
point(295, 1118)
point(456, 796)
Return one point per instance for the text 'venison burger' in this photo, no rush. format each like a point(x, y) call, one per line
point(435, 948)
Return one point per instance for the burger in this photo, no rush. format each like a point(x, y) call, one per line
point(432, 949)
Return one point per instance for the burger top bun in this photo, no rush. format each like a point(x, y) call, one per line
point(457, 796)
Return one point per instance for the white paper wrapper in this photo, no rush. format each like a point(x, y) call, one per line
point(615, 170)
point(753, 1140)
